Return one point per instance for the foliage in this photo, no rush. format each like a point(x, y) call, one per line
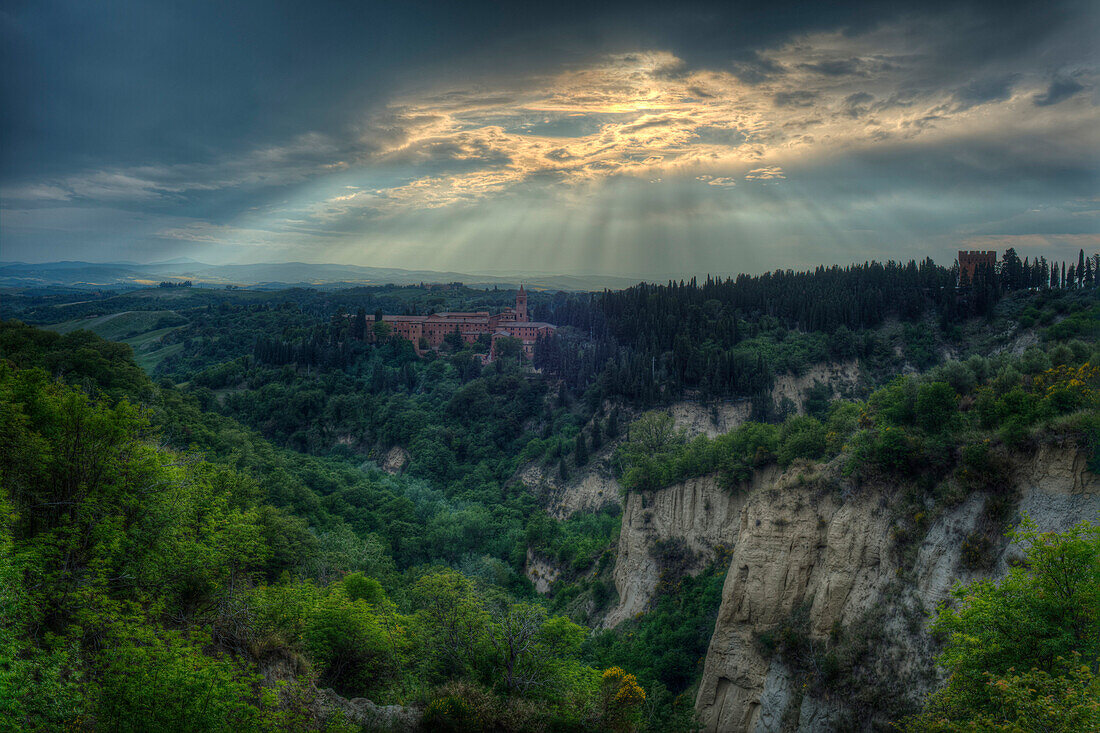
point(578, 541)
point(648, 466)
point(165, 682)
point(622, 698)
point(143, 608)
point(1021, 653)
point(120, 536)
point(161, 540)
point(665, 647)
point(730, 337)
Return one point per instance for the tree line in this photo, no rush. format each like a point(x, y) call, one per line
point(730, 337)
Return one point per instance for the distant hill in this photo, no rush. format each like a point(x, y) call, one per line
point(273, 275)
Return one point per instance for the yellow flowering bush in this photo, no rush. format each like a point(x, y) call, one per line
point(622, 699)
point(1065, 388)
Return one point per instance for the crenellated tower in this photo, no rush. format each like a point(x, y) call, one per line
point(971, 260)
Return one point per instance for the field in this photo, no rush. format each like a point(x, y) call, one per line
point(142, 330)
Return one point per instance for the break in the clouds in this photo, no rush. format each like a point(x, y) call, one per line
point(904, 134)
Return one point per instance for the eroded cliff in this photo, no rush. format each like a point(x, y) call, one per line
point(817, 560)
point(822, 624)
point(681, 525)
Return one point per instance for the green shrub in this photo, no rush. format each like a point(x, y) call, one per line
point(895, 404)
point(801, 437)
point(894, 450)
point(354, 652)
point(936, 407)
point(977, 552)
point(166, 683)
point(1042, 617)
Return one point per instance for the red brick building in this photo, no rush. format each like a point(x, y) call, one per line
point(970, 261)
point(510, 322)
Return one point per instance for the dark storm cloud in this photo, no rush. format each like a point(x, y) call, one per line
point(848, 67)
point(129, 80)
point(800, 98)
point(988, 89)
point(1060, 90)
point(857, 103)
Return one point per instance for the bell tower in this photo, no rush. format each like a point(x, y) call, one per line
point(521, 304)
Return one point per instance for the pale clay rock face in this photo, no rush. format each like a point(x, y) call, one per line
point(792, 544)
point(697, 511)
point(792, 548)
point(541, 572)
point(588, 490)
point(396, 460)
point(594, 486)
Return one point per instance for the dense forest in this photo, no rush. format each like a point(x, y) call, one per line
point(212, 541)
point(727, 338)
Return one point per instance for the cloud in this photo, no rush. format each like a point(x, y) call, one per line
point(34, 192)
point(875, 130)
point(638, 114)
point(797, 98)
point(1060, 90)
point(857, 104)
point(766, 173)
point(859, 67)
point(649, 115)
point(719, 181)
point(307, 155)
point(985, 90)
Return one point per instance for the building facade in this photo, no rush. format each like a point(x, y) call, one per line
point(431, 331)
point(971, 260)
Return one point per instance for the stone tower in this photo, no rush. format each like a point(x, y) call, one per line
point(971, 260)
point(521, 304)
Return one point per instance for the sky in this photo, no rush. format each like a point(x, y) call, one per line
point(627, 138)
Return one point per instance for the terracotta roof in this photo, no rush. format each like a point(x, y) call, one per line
point(460, 314)
point(447, 321)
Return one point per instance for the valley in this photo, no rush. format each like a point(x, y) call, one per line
point(762, 551)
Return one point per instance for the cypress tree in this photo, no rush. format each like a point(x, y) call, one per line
point(359, 324)
point(580, 451)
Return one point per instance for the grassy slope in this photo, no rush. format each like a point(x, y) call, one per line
point(136, 328)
